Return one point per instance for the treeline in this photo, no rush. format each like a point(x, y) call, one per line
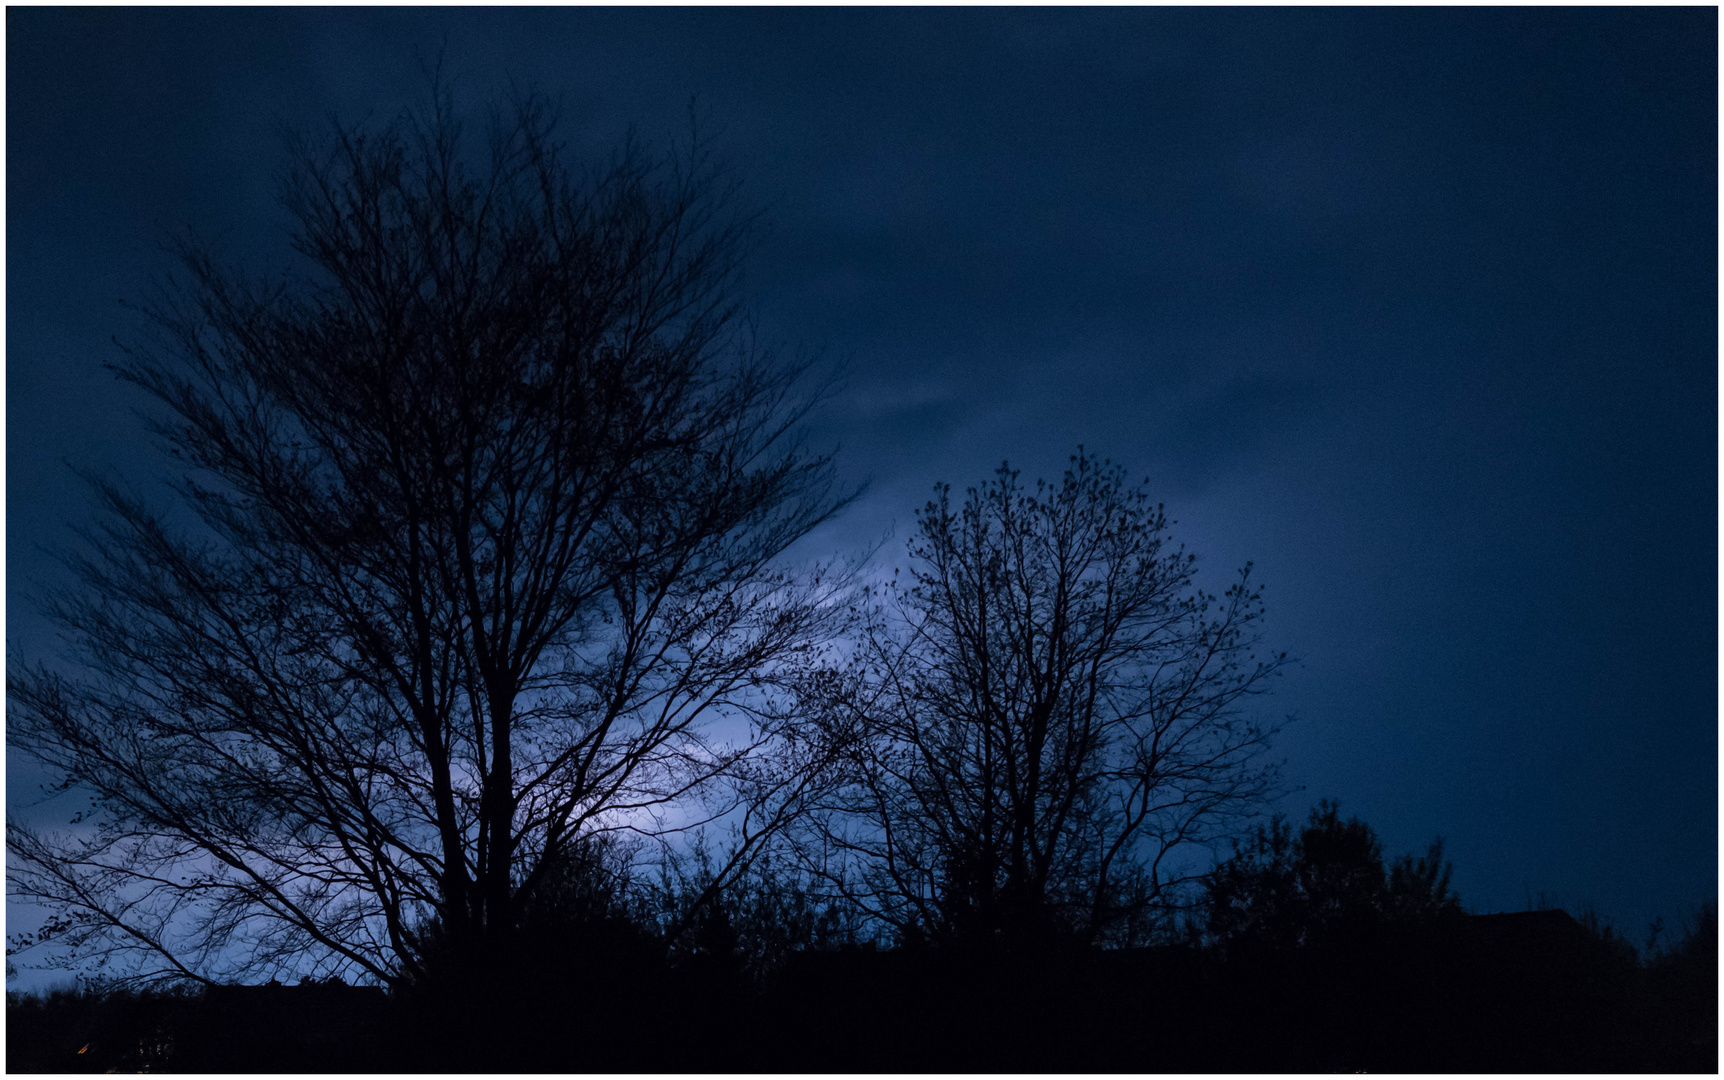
point(1305, 951)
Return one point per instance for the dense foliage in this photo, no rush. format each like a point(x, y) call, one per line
point(1282, 889)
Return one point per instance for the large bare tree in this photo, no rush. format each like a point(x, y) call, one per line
point(480, 525)
point(1043, 720)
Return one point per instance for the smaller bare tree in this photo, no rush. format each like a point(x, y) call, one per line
point(1040, 723)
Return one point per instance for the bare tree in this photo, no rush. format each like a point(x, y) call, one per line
point(480, 525)
point(1042, 720)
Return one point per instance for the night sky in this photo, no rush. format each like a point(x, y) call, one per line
point(1416, 309)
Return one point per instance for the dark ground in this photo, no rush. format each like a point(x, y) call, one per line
point(1509, 993)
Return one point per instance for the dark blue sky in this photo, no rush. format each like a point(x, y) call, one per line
point(1415, 308)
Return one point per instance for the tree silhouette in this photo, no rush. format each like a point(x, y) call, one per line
point(1281, 890)
point(479, 526)
point(1042, 720)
